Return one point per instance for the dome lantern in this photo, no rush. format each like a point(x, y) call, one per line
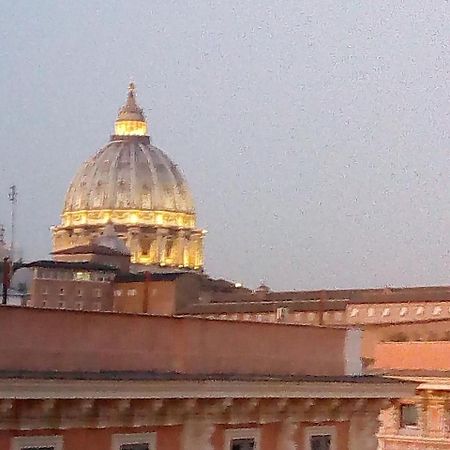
point(130, 120)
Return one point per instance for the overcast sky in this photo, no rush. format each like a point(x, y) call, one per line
point(315, 135)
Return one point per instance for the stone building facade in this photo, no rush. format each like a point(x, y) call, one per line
point(418, 352)
point(79, 380)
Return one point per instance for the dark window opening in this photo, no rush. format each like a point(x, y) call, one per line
point(320, 442)
point(242, 444)
point(409, 416)
point(135, 447)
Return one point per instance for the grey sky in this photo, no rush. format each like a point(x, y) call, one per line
point(314, 134)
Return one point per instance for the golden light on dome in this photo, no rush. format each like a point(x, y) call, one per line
point(129, 217)
point(130, 128)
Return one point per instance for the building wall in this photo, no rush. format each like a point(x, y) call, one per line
point(273, 436)
point(71, 294)
point(431, 330)
point(152, 297)
point(160, 343)
point(385, 313)
point(431, 432)
point(404, 356)
point(284, 315)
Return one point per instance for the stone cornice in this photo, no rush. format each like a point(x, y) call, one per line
point(183, 389)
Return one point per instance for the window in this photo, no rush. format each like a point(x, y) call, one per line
point(242, 444)
point(242, 439)
point(82, 276)
point(61, 291)
point(37, 443)
point(281, 313)
point(320, 442)
point(320, 438)
point(98, 292)
point(61, 305)
point(117, 292)
point(437, 310)
point(134, 441)
point(131, 292)
point(409, 416)
point(79, 305)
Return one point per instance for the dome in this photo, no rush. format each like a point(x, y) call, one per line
point(135, 187)
point(129, 174)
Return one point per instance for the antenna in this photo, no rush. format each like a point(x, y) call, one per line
point(12, 196)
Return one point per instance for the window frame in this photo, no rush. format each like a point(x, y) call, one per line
point(133, 438)
point(23, 442)
point(242, 433)
point(325, 430)
point(401, 423)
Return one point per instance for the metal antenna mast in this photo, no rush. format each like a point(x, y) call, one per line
point(12, 195)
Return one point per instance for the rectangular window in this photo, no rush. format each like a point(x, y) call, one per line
point(242, 439)
point(37, 443)
point(409, 416)
point(38, 448)
point(135, 447)
point(82, 276)
point(134, 441)
point(242, 444)
point(98, 292)
point(322, 442)
point(320, 438)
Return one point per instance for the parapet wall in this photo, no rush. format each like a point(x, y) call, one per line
point(50, 340)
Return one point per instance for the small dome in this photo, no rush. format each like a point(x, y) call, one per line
point(111, 240)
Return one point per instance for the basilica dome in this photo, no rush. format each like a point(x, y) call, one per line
point(129, 174)
point(134, 186)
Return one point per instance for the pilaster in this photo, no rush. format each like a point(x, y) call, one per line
point(197, 434)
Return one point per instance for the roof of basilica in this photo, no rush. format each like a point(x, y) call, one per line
point(129, 172)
